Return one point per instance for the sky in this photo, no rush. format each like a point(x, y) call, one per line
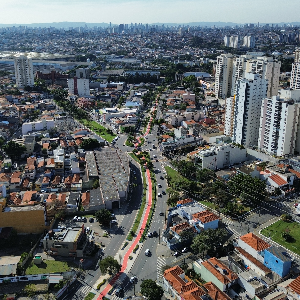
point(148, 11)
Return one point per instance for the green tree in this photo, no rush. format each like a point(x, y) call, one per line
point(103, 216)
point(186, 236)
point(96, 184)
point(90, 144)
point(14, 150)
point(250, 189)
point(151, 290)
point(109, 266)
point(209, 240)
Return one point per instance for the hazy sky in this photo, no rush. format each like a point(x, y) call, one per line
point(149, 11)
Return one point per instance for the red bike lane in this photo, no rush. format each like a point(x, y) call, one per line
point(135, 242)
point(143, 226)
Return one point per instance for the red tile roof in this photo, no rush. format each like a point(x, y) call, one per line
point(212, 264)
point(255, 242)
point(253, 260)
point(214, 292)
point(205, 216)
point(185, 201)
point(278, 180)
point(180, 227)
point(295, 285)
point(183, 285)
point(295, 172)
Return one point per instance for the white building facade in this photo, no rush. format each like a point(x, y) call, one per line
point(79, 86)
point(23, 71)
point(243, 109)
point(37, 126)
point(238, 66)
point(295, 74)
point(223, 76)
point(279, 123)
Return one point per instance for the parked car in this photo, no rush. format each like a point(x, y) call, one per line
point(184, 250)
point(91, 220)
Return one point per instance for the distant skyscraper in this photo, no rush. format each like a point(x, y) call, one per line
point(279, 123)
point(23, 71)
point(243, 109)
point(249, 41)
point(295, 74)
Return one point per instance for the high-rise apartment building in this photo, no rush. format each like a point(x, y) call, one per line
point(223, 75)
point(243, 109)
point(23, 71)
point(295, 74)
point(249, 41)
point(79, 86)
point(238, 66)
point(279, 123)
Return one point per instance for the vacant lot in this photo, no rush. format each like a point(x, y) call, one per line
point(49, 266)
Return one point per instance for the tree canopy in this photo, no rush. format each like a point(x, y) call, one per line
point(209, 240)
point(90, 144)
point(103, 216)
point(109, 265)
point(151, 290)
point(250, 189)
point(14, 150)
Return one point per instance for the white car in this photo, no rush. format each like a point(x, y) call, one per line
point(147, 252)
point(133, 279)
point(159, 194)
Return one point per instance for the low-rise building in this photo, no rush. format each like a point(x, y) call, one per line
point(215, 271)
point(220, 156)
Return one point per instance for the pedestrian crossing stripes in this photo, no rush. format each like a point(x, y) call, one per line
point(227, 221)
point(115, 297)
point(161, 262)
point(84, 290)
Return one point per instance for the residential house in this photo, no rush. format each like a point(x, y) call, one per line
point(277, 260)
point(15, 181)
point(179, 286)
point(205, 220)
point(214, 292)
point(73, 201)
point(252, 263)
point(215, 271)
point(254, 245)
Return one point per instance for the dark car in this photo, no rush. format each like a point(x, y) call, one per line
point(91, 220)
point(161, 177)
point(154, 233)
point(161, 213)
point(163, 192)
point(119, 292)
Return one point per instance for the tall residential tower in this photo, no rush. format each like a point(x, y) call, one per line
point(23, 71)
point(243, 110)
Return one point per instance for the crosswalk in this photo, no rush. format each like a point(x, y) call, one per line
point(161, 262)
point(227, 221)
point(83, 290)
point(115, 297)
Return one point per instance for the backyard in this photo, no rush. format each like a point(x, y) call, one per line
point(279, 229)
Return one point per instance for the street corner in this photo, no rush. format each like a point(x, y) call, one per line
point(163, 251)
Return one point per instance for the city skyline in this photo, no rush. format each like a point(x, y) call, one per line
point(142, 11)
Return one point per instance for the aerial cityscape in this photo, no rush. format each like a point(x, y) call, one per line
point(149, 156)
